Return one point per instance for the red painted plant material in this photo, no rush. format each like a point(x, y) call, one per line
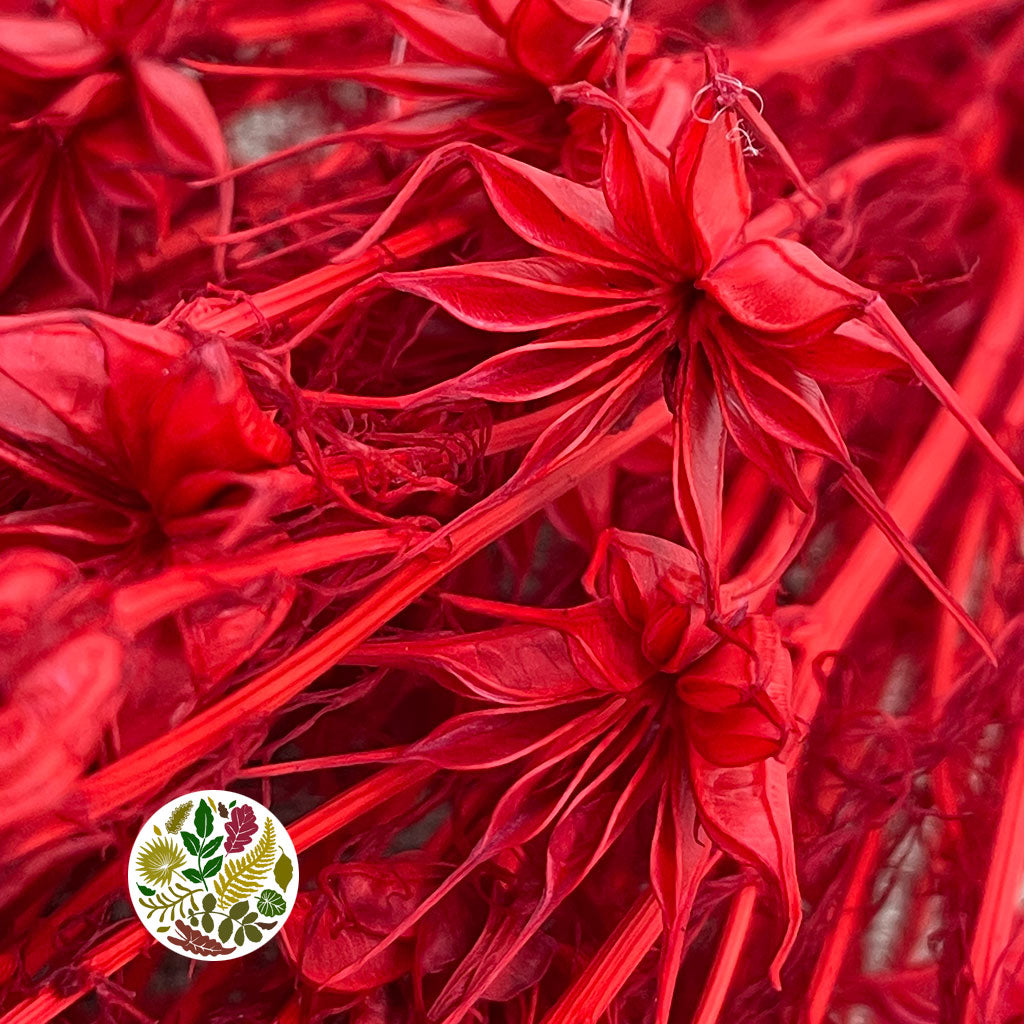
point(479, 481)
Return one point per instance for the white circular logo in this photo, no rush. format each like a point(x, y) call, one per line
point(213, 875)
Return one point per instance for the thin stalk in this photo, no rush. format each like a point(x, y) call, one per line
point(319, 286)
point(864, 573)
point(145, 771)
point(611, 967)
point(132, 939)
point(797, 51)
point(137, 605)
point(727, 955)
point(844, 927)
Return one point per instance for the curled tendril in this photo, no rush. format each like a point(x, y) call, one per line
point(727, 89)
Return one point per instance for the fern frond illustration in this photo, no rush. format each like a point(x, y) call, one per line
point(177, 818)
point(243, 876)
point(159, 859)
point(172, 900)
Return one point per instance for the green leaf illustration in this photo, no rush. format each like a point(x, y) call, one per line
point(224, 931)
point(159, 859)
point(177, 817)
point(239, 910)
point(283, 872)
point(271, 903)
point(209, 901)
point(243, 876)
point(240, 937)
point(207, 922)
point(203, 820)
point(253, 934)
point(191, 842)
point(145, 890)
point(173, 900)
point(211, 867)
point(250, 918)
point(164, 928)
point(192, 875)
point(211, 847)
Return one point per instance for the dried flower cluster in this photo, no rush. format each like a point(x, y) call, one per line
point(562, 456)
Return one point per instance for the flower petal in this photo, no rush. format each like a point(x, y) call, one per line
point(699, 463)
point(526, 294)
point(711, 184)
point(777, 285)
point(746, 811)
point(447, 34)
point(553, 213)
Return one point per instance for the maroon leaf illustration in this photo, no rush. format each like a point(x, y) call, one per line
point(192, 940)
point(241, 827)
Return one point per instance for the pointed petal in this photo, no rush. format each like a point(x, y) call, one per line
point(746, 811)
point(637, 183)
point(679, 862)
point(782, 401)
point(526, 294)
point(559, 216)
point(83, 237)
point(507, 665)
point(854, 352)
point(711, 184)
point(859, 487)
point(699, 464)
point(48, 48)
point(179, 119)
point(449, 35)
point(929, 375)
point(544, 38)
point(777, 285)
point(774, 459)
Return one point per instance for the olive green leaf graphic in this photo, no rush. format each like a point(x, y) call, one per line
point(177, 817)
point(171, 900)
point(159, 859)
point(283, 871)
point(271, 903)
point(145, 890)
point(243, 876)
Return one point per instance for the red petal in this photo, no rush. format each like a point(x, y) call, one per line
point(83, 236)
point(24, 212)
point(858, 485)
point(699, 463)
point(48, 48)
point(712, 185)
point(679, 863)
point(524, 295)
point(179, 119)
point(449, 35)
point(746, 811)
point(775, 460)
point(543, 36)
point(776, 285)
point(637, 184)
point(854, 352)
point(550, 212)
point(783, 402)
point(508, 665)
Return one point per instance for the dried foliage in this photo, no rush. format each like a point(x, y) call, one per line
point(563, 456)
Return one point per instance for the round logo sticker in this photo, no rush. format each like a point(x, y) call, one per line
point(213, 875)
